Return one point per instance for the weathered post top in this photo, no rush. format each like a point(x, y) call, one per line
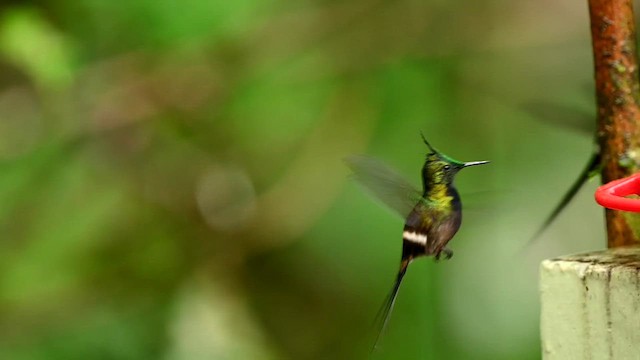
point(591, 306)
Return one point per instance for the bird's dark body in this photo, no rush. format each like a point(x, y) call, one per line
point(434, 215)
point(439, 225)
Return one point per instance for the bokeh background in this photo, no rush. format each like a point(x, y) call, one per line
point(172, 183)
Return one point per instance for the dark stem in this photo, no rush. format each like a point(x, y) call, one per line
point(617, 93)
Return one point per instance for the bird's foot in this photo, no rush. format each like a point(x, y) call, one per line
point(448, 254)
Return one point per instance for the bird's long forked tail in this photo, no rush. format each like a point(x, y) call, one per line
point(382, 318)
point(593, 166)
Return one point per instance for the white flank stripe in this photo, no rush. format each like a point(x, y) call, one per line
point(415, 237)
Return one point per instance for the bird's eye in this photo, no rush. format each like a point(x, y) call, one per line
point(447, 167)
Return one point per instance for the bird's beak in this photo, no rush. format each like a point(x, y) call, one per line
point(474, 163)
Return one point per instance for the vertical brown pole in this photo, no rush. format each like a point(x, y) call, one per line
point(617, 92)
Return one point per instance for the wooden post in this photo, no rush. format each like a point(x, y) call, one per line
point(591, 302)
point(591, 306)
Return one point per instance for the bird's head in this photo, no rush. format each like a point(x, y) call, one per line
point(441, 169)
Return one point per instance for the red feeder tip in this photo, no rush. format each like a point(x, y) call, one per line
point(612, 195)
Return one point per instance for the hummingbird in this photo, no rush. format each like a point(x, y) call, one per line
point(432, 216)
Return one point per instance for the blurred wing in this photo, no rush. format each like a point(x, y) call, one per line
point(564, 116)
point(385, 184)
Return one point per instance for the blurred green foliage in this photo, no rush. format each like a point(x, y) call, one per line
point(171, 182)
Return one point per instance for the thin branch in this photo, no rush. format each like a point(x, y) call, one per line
point(617, 93)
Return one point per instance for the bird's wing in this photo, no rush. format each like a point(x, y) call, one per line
point(385, 184)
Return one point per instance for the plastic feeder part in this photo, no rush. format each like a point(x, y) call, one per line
point(613, 195)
